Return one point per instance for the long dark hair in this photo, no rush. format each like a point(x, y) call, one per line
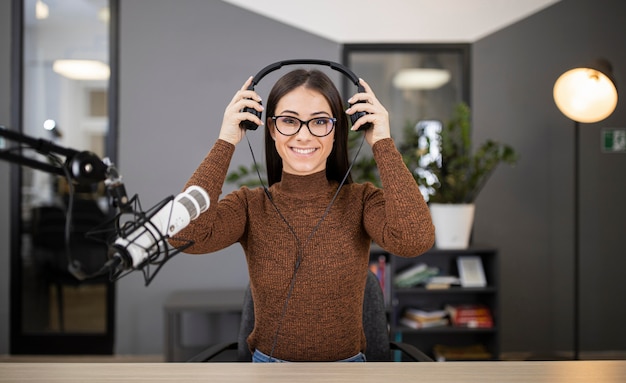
point(337, 163)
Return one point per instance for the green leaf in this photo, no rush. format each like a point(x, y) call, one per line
point(462, 173)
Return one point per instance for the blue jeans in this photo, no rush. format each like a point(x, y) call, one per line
point(259, 357)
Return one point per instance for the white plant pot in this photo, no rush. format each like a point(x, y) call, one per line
point(453, 224)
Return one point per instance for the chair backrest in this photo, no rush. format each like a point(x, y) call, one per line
point(375, 323)
point(245, 327)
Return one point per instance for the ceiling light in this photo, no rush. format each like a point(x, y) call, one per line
point(82, 69)
point(104, 14)
point(41, 10)
point(421, 78)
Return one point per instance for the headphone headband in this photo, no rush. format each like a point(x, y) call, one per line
point(277, 65)
point(333, 65)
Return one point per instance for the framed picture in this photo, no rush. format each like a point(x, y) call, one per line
point(471, 271)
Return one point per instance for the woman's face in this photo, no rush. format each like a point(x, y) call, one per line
point(303, 153)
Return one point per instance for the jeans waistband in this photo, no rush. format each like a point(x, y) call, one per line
point(260, 357)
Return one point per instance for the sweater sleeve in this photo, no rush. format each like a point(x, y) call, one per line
point(223, 223)
point(397, 217)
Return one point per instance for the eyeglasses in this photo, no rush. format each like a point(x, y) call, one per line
point(319, 127)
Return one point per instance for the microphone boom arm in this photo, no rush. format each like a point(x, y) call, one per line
point(125, 231)
point(128, 226)
point(82, 166)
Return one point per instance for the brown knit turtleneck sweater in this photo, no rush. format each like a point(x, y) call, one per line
point(323, 316)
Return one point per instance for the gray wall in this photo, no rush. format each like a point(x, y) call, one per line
point(181, 63)
point(527, 211)
point(5, 119)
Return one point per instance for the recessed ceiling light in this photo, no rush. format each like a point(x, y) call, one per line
point(82, 69)
point(421, 78)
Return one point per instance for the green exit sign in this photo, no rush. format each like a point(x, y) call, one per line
point(614, 140)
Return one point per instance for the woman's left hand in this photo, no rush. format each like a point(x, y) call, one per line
point(376, 115)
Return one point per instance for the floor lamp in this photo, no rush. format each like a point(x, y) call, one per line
point(586, 94)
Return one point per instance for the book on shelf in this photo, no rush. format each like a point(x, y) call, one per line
point(381, 269)
point(444, 353)
point(470, 315)
point(424, 315)
point(415, 275)
point(412, 323)
point(442, 282)
point(419, 318)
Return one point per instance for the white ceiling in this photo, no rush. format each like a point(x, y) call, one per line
point(397, 21)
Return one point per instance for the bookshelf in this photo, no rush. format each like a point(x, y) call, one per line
point(453, 338)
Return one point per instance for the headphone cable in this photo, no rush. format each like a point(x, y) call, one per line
point(299, 245)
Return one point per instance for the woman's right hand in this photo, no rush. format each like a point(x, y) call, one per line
point(233, 115)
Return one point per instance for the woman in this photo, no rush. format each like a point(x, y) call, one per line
point(307, 240)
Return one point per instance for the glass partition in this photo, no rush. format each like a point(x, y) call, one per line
point(414, 81)
point(419, 85)
point(65, 99)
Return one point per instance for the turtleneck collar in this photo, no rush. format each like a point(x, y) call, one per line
point(312, 184)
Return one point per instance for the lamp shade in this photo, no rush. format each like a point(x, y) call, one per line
point(586, 94)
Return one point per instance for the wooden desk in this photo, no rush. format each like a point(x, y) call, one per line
point(212, 302)
point(453, 372)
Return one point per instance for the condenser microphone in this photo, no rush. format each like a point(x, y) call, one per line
point(147, 238)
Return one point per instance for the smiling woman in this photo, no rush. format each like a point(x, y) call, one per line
point(307, 234)
point(68, 71)
point(302, 151)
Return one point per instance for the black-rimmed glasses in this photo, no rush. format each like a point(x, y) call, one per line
point(319, 127)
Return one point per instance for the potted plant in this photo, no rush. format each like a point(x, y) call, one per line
point(251, 176)
point(449, 172)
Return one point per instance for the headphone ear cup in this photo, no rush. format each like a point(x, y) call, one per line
point(249, 125)
point(355, 116)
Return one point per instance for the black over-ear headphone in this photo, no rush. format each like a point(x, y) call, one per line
point(275, 66)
